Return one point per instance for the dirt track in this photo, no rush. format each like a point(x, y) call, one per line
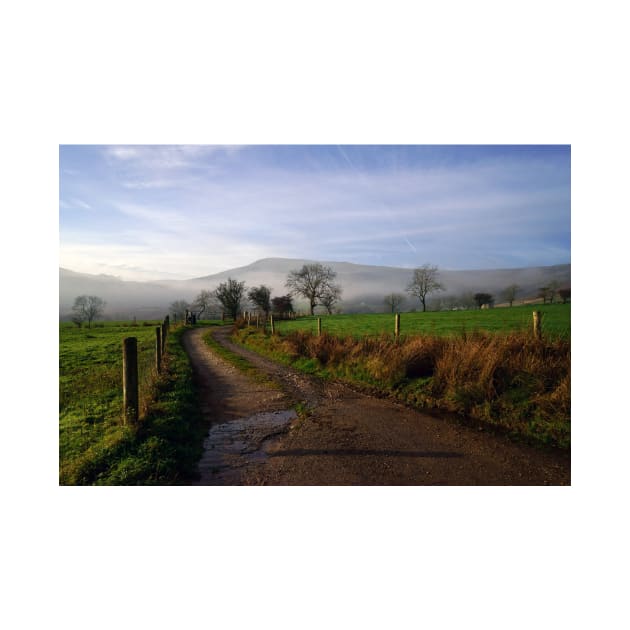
point(347, 438)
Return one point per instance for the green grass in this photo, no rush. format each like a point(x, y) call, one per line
point(239, 362)
point(556, 322)
point(509, 381)
point(94, 446)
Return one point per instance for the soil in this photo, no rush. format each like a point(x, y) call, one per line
point(345, 437)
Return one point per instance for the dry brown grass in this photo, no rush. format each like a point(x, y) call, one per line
point(513, 380)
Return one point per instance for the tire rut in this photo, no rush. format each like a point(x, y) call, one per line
point(347, 437)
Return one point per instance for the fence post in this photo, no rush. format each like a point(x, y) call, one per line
point(164, 329)
point(130, 380)
point(397, 325)
point(257, 320)
point(273, 328)
point(319, 326)
point(537, 323)
point(158, 348)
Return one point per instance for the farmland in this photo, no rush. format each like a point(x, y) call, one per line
point(494, 372)
point(94, 445)
point(556, 322)
point(483, 366)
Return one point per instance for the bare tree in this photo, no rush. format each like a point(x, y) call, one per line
point(178, 309)
point(330, 298)
point(230, 294)
point(313, 282)
point(393, 301)
point(423, 282)
point(509, 293)
point(553, 289)
point(87, 308)
point(261, 298)
point(203, 302)
point(543, 293)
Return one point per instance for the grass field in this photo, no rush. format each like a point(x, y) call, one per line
point(496, 373)
point(94, 446)
point(556, 322)
point(90, 384)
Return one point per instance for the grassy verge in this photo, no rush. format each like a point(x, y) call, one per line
point(94, 447)
point(239, 362)
point(510, 381)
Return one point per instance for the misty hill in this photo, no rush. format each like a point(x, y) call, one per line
point(124, 298)
point(364, 286)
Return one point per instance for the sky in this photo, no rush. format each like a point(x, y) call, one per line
point(146, 212)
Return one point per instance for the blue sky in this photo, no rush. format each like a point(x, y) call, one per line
point(148, 212)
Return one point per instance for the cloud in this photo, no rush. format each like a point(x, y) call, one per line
point(152, 183)
point(81, 204)
point(202, 209)
point(123, 152)
point(74, 204)
point(167, 157)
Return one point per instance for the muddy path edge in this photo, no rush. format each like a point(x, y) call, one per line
point(351, 438)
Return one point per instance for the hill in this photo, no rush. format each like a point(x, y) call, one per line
point(364, 286)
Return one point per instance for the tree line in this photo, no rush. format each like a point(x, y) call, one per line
point(314, 282)
point(317, 284)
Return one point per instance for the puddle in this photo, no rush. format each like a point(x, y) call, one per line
point(235, 446)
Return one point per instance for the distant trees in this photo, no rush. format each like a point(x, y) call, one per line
point(87, 308)
point(483, 298)
point(230, 294)
point(544, 293)
point(553, 289)
point(565, 294)
point(509, 293)
point(314, 282)
point(178, 309)
point(393, 301)
point(203, 302)
point(260, 297)
point(282, 304)
point(423, 282)
point(330, 298)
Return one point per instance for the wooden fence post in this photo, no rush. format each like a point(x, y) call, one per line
point(158, 348)
point(163, 337)
point(130, 380)
point(537, 323)
point(319, 326)
point(397, 325)
point(273, 328)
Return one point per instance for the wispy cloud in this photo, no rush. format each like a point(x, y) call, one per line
point(81, 204)
point(203, 209)
point(152, 183)
point(166, 157)
point(74, 204)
